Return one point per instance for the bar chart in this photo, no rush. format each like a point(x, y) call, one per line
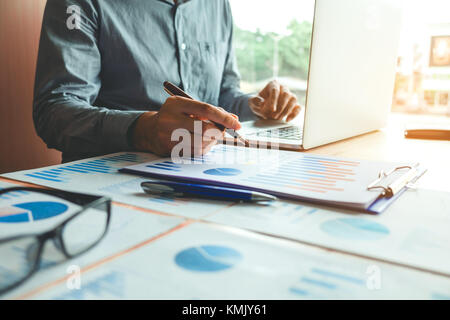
point(293, 175)
point(309, 173)
point(356, 229)
point(63, 173)
point(12, 195)
point(319, 282)
point(166, 165)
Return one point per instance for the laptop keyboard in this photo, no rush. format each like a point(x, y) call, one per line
point(289, 133)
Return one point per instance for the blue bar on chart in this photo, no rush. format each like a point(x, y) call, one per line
point(166, 165)
point(106, 165)
point(309, 173)
point(318, 282)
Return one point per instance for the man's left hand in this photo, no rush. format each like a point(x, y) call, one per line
point(275, 102)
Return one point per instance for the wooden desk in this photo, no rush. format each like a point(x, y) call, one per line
point(389, 144)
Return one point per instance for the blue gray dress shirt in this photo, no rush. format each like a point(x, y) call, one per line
point(94, 81)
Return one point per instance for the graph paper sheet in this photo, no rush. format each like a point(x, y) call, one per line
point(202, 261)
point(100, 175)
point(414, 230)
point(321, 179)
point(127, 229)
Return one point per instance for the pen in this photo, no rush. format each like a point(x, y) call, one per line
point(173, 90)
point(170, 188)
point(428, 134)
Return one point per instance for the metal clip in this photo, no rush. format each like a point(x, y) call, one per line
point(403, 181)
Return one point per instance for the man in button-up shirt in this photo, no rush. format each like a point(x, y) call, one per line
point(102, 63)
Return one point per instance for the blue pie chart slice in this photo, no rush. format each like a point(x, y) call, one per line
point(355, 229)
point(207, 258)
point(223, 172)
point(39, 211)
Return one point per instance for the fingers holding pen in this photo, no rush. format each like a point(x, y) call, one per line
point(205, 111)
point(182, 120)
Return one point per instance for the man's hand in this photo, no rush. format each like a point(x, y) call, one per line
point(153, 130)
point(275, 102)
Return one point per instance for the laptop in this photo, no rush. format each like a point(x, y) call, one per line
point(351, 76)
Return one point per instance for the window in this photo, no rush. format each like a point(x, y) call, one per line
point(272, 40)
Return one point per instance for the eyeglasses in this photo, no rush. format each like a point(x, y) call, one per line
point(20, 256)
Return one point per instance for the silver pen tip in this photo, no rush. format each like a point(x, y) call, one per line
point(236, 135)
point(257, 196)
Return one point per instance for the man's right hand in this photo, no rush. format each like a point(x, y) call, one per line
point(153, 130)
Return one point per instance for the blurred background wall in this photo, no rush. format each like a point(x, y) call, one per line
point(20, 26)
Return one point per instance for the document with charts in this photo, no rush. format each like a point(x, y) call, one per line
point(23, 213)
point(321, 179)
point(203, 261)
point(413, 231)
point(100, 175)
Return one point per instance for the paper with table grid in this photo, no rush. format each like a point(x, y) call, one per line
point(404, 234)
point(299, 176)
point(203, 261)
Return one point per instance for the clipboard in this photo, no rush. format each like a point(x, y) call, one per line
point(391, 191)
point(359, 185)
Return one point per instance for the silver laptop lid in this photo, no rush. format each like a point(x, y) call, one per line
point(352, 68)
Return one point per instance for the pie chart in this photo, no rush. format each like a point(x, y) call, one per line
point(207, 258)
point(223, 172)
point(31, 211)
point(354, 229)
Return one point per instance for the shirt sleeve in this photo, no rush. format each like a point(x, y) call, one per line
point(68, 82)
point(231, 98)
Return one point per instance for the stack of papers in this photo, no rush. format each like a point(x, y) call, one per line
point(320, 179)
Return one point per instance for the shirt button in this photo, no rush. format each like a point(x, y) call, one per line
point(183, 46)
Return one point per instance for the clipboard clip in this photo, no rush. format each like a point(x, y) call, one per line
point(403, 181)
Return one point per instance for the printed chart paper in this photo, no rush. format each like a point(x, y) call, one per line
point(100, 176)
point(205, 262)
point(299, 176)
point(413, 231)
point(127, 228)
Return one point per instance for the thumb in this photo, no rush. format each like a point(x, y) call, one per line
point(257, 101)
